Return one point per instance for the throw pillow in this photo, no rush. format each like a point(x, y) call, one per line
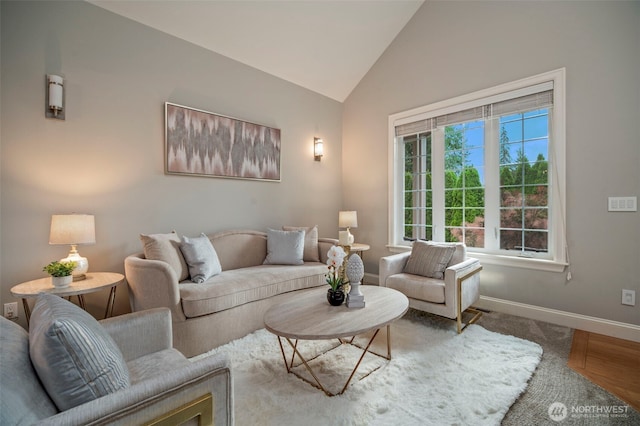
point(311, 253)
point(284, 247)
point(201, 258)
point(166, 247)
point(75, 358)
point(429, 259)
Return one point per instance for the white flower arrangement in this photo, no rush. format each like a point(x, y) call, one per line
point(335, 257)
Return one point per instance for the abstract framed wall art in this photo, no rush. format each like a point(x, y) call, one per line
point(201, 143)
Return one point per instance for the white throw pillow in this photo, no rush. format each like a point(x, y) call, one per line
point(201, 258)
point(284, 247)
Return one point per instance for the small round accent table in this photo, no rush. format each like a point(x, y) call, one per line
point(94, 282)
point(359, 249)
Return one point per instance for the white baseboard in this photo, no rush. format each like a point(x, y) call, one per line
point(607, 327)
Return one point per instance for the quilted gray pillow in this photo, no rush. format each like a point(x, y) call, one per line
point(311, 253)
point(75, 358)
point(429, 259)
point(284, 247)
point(201, 258)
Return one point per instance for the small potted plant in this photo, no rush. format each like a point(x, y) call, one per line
point(60, 273)
point(335, 257)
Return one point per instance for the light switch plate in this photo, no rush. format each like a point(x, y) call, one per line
point(623, 204)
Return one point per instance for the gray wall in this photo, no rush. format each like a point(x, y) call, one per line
point(107, 157)
point(453, 48)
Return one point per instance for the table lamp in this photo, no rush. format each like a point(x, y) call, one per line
point(347, 219)
point(73, 229)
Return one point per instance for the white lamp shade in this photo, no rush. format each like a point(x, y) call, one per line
point(348, 219)
point(72, 229)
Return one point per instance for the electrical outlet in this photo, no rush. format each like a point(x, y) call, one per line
point(629, 297)
point(11, 310)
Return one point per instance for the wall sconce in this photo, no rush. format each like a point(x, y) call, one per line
point(74, 229)
point(318, 149)
point(54, 102)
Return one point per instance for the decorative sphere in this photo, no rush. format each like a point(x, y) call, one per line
point(355, 269)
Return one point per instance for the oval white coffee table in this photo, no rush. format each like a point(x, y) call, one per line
point(308, 316)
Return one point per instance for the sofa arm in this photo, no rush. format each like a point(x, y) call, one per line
point(324, 244)
point(150, 399)
point(390, 265)
point(152, 284)
point(141, 333)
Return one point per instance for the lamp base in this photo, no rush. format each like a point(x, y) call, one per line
point(82, 265)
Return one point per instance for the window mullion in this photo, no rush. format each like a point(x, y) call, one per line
point(437, 164)
point(492, 185)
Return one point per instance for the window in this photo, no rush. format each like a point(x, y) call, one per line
point(486, 169)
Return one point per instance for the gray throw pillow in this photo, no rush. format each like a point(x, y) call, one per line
point(311, 253)
point(284, 247)
point(166, 247)
point(201, 258)
point(75, 358)
point(429, 259)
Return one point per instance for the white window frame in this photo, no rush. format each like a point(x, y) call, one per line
point(557, 162)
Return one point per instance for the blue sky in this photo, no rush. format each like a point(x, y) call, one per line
point(531, 127)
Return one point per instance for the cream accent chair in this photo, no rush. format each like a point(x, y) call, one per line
point(448, 297)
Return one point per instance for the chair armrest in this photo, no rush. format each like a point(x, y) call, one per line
point(390, 265)
point(141, 333)
point(467, 270)
point(152, 284)
point(152, 398)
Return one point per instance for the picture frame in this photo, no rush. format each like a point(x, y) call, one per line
point(202, 143)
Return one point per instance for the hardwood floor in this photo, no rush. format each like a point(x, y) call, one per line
point(613, 364)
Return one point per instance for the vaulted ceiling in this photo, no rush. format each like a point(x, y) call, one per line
point(322, 45)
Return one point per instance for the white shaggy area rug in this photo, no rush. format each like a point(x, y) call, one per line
point(435, 377)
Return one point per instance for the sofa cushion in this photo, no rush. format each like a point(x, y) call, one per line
point(418, 287)
point(23, 400)
point(166, 247)
point(239, 286)
point(284, 247)
point(311, 253)
point(429, 259)
point(240, 248)
point(75, 358)
point(201, 258)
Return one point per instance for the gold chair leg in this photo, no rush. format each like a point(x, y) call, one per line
point(459, 310)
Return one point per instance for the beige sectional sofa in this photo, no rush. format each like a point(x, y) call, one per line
point(232, 303)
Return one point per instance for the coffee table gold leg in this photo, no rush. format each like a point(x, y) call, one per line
point(389, 341)
point(364, 352)
point(304, 361)
point(289, 364)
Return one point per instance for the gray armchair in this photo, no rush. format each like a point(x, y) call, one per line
point(165, 386)
point(449, 296)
